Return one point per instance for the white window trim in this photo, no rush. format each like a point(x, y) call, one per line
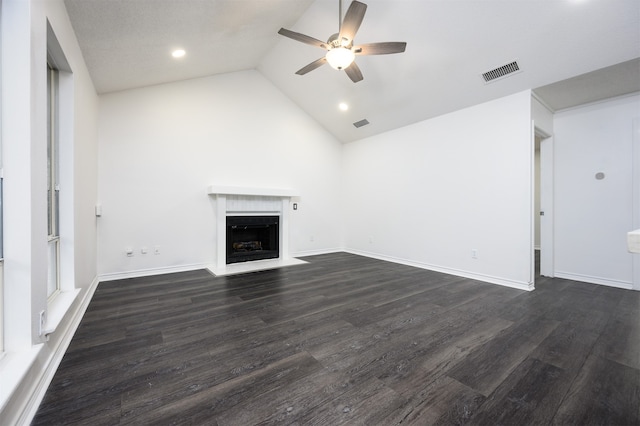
point(53, 178)
point(62, 299)
point(1, 308)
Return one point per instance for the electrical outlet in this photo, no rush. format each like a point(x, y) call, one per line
point(129, 251)
point(156, 250)
point(474, 253)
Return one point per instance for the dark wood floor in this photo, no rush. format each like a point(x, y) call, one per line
point(349, 340)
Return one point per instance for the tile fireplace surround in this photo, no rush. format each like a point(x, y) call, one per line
point(250, 201)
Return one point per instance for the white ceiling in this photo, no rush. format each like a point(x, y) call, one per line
point(450, 43)
point(616, 80)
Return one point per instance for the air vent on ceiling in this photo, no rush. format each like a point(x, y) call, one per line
point(501, 72)
point(361, 123)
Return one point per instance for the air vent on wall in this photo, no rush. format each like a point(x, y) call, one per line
point(361, 123)
point(501, 72)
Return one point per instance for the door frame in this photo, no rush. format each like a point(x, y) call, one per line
point(635, 150)
point(546, 203)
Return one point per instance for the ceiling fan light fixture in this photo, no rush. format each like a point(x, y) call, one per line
point(339, 49)
point(340, 57)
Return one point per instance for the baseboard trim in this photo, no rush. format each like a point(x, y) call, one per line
point(54, 359)
point(594, 280)
point(150, 272)
point(191, 267)
point(316, 252)
point(457, 272)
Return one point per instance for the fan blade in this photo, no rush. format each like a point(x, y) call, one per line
point(302, 38)
point(354, 73)
point(352, 20)
point(312, 66)
point(380, 48)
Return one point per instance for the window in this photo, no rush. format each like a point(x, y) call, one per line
point(53, 188)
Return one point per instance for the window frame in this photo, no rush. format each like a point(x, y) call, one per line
point(53, 186)
point(1, 206)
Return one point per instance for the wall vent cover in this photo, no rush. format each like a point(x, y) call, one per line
point(501, 72)
point(361, 123)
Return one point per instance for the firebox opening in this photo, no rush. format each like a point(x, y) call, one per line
point(252, 238)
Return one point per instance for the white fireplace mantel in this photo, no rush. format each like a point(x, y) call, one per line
point(251, 191)
point(234, 200)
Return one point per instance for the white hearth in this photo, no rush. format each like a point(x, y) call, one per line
point(251, 201)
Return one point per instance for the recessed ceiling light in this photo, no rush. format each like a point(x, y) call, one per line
point(343, 106)
point(178, 53)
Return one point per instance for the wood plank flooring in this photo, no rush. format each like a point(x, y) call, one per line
point(349, 340)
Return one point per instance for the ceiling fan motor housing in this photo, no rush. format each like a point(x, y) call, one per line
point(335, 41)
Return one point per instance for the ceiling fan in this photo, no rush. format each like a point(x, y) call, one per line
point(340, 49)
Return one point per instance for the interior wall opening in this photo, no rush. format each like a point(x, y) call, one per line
point(543, 204)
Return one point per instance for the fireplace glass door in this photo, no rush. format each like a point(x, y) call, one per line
point(252, 238)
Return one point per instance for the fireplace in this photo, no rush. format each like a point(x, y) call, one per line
point(252, 238)
point(261, 217)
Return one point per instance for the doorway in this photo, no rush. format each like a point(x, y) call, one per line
point(543, 203)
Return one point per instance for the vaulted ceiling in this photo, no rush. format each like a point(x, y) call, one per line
point(569, 51)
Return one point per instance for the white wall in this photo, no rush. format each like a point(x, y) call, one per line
point(430, 193)
point(30, 360)
point(593, 216)
point(161, 146)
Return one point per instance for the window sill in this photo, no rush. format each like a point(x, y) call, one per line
point(56, 310)
point(13, 367)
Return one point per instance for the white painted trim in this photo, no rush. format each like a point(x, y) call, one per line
point(240, 190)
point(532, 204)
point(221, 228)
point(318, 252)
point(547, 204)
point(35, 392)
point(635, 197)
point(14, 367)
point(542, 102)
point(150, 272)
point(283, 230)
point(57, 308)
point(457, 272)
point(253, 266)
point(56, 356)
point(594, 280)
